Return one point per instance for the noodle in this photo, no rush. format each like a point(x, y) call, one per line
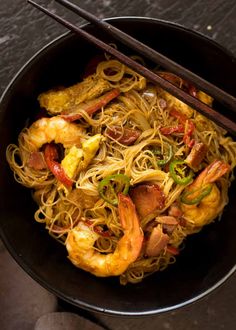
point(159, 136)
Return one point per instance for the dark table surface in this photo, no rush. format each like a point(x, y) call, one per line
point(23, 31)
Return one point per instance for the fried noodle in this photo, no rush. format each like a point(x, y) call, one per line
point(140, 107)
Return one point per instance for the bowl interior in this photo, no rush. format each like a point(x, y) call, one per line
point(208, 258)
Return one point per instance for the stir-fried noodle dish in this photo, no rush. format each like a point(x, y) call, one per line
point(122, 171)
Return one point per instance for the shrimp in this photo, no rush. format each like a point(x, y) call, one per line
point(46, 130)
point(211, 205)
point(81, 239)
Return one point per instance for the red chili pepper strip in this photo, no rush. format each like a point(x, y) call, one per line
point(50, 154)
point(177, 81)
point(178, 115)
point(189, 126)
point(93, 105)
point(172, 129)
point(173, 250)
point(188, 133)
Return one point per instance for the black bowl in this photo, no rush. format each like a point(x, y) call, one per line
point(209, 257)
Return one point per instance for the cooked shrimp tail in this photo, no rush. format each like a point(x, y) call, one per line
point(131, 242)
point(212, 173)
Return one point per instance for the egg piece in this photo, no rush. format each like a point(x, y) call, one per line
point(90, 148)
point(78, 159)
point(71, 161)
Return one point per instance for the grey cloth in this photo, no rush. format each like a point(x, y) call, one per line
point(64, 321)
point(22, 300)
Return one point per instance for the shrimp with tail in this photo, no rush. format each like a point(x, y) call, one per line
point(81, 239)
point(54, 129)
point(201, 201)
point(38, 152)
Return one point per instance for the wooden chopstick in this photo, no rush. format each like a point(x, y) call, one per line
point(218, 94)
point(204, 109)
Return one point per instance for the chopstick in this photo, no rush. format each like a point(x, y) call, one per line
point(204, 109)
point(218, 94)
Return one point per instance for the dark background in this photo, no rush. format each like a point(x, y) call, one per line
point(23, 31)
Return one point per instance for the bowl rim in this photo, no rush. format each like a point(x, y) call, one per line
point(18, 258)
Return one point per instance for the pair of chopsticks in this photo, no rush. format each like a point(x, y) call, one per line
point(218, 94)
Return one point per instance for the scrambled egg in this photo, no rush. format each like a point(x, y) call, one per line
point(71, 161)
point(78, 159)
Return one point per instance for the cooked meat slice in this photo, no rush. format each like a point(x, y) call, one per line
point(126, 136)
point(147, 198)
point(156, 242)
point(167, 220)
point(169, 223)
point(175, 211)
point(36, 161)
point(196, 156)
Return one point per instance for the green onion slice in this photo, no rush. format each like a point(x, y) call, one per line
point(195, 196)
point(180, 172)
point(111, 185)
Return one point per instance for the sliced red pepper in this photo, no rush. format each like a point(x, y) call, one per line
point(179, 82)
point(173, 250)
point(188, 133)
point(93, 105)
point(178, 115)
point(189, 126)
point(51, 154)
point(172, 129)
point(186, 126)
